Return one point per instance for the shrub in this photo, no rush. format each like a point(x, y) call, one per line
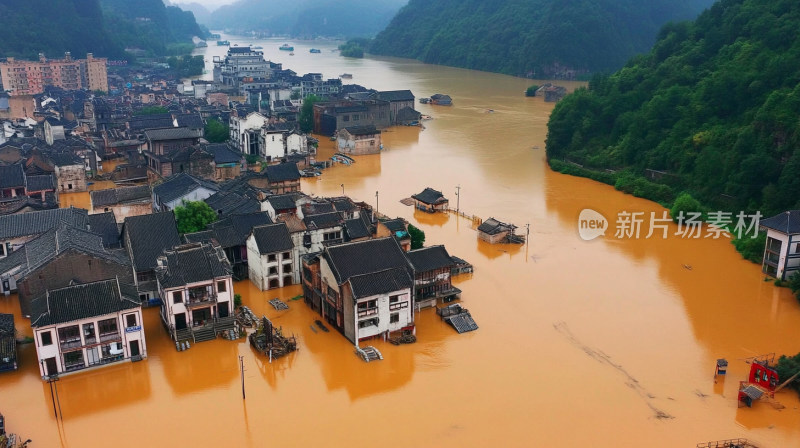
point(788, 366)
point(531, 91)
point(237, 300)
point(684, 203)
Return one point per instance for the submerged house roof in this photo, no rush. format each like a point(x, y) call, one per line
point(430, 258)
point(787, 222)
point(362, 130)
point(272, 238)
point(78, 302)
point(394, 95)
point(192, 263)
point(430, 196)
point(492, 227)
point(149, 236)
point(365, 257)
point(381, 282)
point(282, 172)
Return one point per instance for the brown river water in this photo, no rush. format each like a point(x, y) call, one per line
point(610, 342)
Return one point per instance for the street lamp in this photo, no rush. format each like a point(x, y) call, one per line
point(376, 203)
point(342, 189)
point(458, 198)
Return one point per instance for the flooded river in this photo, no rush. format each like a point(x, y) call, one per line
point(610, 342)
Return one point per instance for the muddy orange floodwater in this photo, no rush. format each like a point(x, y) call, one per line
point(610, 342)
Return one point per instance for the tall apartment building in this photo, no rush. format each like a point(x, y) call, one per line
point(31, 77)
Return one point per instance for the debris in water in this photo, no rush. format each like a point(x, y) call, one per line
point(321, 325)
point(278, 304)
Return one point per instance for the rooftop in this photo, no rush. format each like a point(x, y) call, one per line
point(272, 238)
point(178, 185)
point(171, 134)
point(787, 222)
point(282, 172)
point(362, 130)
point(192, 263)
point(430, 258)
point(38, 222)
point(365, 257)
point(122, 195)
point(381, 282)
point(430, 196)
point(149, 236)
point(83, 301)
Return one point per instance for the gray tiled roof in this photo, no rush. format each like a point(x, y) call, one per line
point(192, 263)
point(282, 172)
point(783, 222)
point(223, 154)
point(171, 134)
point(194, 121)
point(179, 185)
point(356, 228)
point(121, 195)
point(365, 257)
point(12, 176)
point(429, 258)
point(362, 130)
point(149, 236)
point(395, 95)
point(35, 223)
point(272, 238)
point(492, 226)
point(64, 158)
point(282, 201)
point(322, 220)
point(430, 196)
point(380, 282)
point(83, 301)
point(105, 225)
point(40, 183)
point(199, 237)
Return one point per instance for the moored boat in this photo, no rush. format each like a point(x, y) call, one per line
point(286, 47)
point(346, 76)
point(315, 50)
point(223, 43)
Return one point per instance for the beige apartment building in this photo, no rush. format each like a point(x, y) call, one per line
point(31, 77)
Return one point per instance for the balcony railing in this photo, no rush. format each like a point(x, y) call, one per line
point(203, 300)
point(105, 337)
point(71, 344)
point(363, 312)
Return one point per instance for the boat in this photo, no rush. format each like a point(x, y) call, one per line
point(257, 47)
point(424, 100)
point(214, 36)
point(291, 54)
point(223, 43)
point(286, 47)
point(315, 50)
point(346, 76)
point(201, 44)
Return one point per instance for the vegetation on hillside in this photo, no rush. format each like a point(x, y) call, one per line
point(151, 26)
point(711, 110)
point(354, 48)
point(193, 216)
point(540, 37)
point(187, 66)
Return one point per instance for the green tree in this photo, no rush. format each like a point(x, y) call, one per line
point(685, 204)
point(237, 301)
point(151, 110)
point(417, 237)
point(216, 131)
point(194, 216)
point(306, 117)
point(531, 91)
point(787, 367)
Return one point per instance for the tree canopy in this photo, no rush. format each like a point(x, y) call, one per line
point(711, 110)
point(306, 117)
point(193, 216)
point(417, 237)
point(216, 131)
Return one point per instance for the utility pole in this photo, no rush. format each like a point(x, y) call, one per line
point(376, 205)
point(458, 198)
point(50, 381)
point(241, 368)
point(342, 189)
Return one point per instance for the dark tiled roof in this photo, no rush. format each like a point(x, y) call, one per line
point(348, 109)
point(365, 257)
point(272, 238)
point(149, 236)
point(192, 263)
point(171, 134)
point(105, 225)
point(83, 301)
point(492, 226)
point(6, 324)
point(316, 208)
point(17, 258)
point(282, 201)
point(234, 229)
point(395, 225)
point(429, 258)
point(233, 202)
point(362, 130)
point(395, 95)
point(199, 237)
point(40, 183)
point(150, 122)
point(64, 158)
point(35, 223)
point(408, 114)
point(784, 222)
point(122, 195)
point(282, 172)
point(356, 228)
point(342, 204)
point(223, 154)
point(179, 185)
point(12, 176)
point(430, 196)
point(381, 282)
point(193, 121)
point(322, 220)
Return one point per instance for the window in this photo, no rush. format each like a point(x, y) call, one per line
point(372, 143)
point(273, 271)
point(108, 326)
point(346, 118)
point(286, 255)
point(130, 320)
point(47, 339)
point(368, 322)
point(331, 236)
point(69, 186)
point(88, 333)
point(394, 318)
point(177, 297)
point(271, 258)
point(222, 286)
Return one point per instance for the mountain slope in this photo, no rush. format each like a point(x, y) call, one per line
point(714, 106)
point(149, 24)
point(54, 27)
point(307, 18)
point(521, 36)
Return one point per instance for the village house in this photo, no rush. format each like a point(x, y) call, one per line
point(195, 284)
point(399, 100)
point(8, 343)
point(432, 270)
point(273, 261)
point(321, 230)
point(194, 160)
point(181, 187)
point(430, 200)
point(359, 140)
point(237, 197)
point(123, 201)
point(62, 256)
point(782, 250)
point(282, 178)
point(281, 204)
point(145, 238)
point(331, 117)
point(245, 132)
point(163, 142)
point(494, 232)
point(365, 289)
point(16, 230)
point(87, 325)
point(227, 163)
point(70, 172)
point(12, 180)
point(396, 228)
point(441, 99)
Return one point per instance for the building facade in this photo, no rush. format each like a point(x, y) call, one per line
point(782, 249)
point(359, 140)
point(22, 77)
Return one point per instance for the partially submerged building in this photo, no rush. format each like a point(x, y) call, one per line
point(8, 343)
point(495, 232)
point(430, 200)
point(432, 270)
point(782, 250)
point(359, 140)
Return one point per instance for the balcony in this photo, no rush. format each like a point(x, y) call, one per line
point(71, 344)
point(201, 300)
point(364, 312)
point(108, 337)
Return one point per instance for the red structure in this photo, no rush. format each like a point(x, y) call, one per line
point(762, 380)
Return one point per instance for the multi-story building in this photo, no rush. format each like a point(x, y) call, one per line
point(22, 77)
point(240, 63)
point(106, 328)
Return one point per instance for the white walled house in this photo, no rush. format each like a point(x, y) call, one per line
point(272, 259)
point(273, 143)
point(782, 250)
point(359, 140)
point(196, 290)
point(181, 187)
point(245, 132)
point(88, 325)
point(296, 143)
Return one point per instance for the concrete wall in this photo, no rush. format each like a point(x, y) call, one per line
point(122, 211)
point(71, 178)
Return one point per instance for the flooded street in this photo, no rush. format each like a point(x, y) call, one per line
point(610, 342)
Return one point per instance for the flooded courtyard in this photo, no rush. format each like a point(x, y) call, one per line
point(610, 342)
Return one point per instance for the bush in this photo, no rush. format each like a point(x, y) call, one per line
point(217, 131)
point(531, 91)
point(237, 301)
point(751, 248)
point(788, 366)
point(417, 237)
point(684, 203)
point(193, 216)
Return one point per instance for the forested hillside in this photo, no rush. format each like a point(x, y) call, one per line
point(150, 25)
point(307, 18)
point(541, 37)
point(713, 109)
point(53, 27)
